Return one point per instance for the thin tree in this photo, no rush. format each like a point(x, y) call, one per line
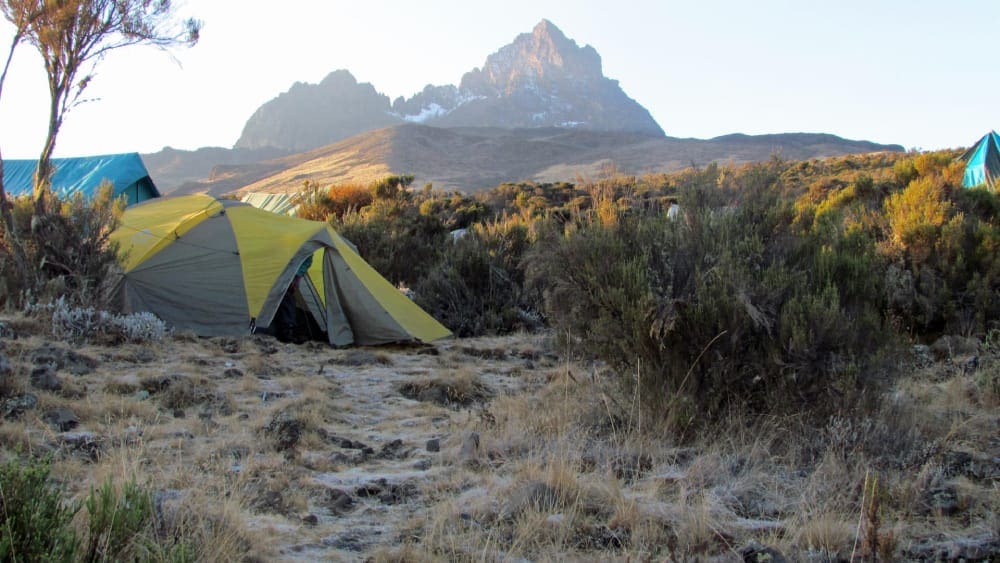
point(73, 36)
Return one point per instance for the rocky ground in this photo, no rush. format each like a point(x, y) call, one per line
point(496, 449)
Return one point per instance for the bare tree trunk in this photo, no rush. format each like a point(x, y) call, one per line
point(43, 173)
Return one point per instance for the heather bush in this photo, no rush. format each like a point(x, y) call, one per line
point(319, 204)
point(726, 304)
point(65, 251)
point(119, 524)
point(392, 236)
point(943, 247)
point(35, 520)
point(478, 286)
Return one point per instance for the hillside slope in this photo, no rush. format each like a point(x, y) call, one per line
point(475, 158)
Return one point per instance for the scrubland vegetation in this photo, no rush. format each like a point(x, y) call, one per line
point(802, 359)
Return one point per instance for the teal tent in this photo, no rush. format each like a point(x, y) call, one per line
point(84, 175)
point(983, 162)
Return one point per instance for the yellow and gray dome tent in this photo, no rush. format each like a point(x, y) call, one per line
point(220, 267)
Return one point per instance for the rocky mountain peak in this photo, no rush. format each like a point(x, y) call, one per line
point(535, 60)
point(541, 79)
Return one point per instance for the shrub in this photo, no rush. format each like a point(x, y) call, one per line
point(82, 323)
point(35, 522)
point(724, 305)
point(65, 251)
point(317, 204)
point(478, 286)
point(392, 236)
point(916, 216)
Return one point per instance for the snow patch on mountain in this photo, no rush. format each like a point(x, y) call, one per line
point(429, 112)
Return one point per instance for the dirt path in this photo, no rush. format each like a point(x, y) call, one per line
point(402, 418)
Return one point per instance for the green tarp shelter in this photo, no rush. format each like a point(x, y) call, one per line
point(84, 175)
point(983, 162)
point(283, 204)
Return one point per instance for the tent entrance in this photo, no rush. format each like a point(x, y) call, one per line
point(310, 312)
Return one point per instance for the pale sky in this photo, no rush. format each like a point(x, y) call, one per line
point(919, 73)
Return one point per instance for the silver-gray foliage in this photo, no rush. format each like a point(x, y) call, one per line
point(86, 322)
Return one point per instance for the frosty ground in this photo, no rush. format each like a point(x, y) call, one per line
point(504, 448)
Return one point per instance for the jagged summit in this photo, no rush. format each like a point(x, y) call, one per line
point(541, 79)
point(533, 60)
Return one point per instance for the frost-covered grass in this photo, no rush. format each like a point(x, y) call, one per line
point(281, 452)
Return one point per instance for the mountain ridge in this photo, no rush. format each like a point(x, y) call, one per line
point(475, 158)
point(540, 108)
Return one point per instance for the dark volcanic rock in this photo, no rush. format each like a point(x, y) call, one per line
point(15, 406)
point(62, 419)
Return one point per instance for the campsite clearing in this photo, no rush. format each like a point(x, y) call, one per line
point(489, 448)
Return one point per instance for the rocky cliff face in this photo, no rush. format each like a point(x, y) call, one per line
point(312, 115)
point(542, 79)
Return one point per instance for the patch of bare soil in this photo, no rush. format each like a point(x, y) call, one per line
point(496, 449)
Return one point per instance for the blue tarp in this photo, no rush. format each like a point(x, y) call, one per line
point(84, 175)
point(983, 162)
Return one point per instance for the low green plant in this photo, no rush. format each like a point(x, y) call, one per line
point(118, 521)
point(35, 520)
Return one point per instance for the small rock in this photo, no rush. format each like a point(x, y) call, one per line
point(533, 494)
point(45, 379)
point(133, 435)
point(61, 358)
point(757, 553)
point(286, 431)
point(16, 406)
point(949, 346)
point(144, 355)
point(922, 355)
point(434, 445)
point(268, 502)
point(970, 365)
point(7, 332)
point(85, 443)
point(166, 503)
point(338, 502)
point(179, 413)
point(310, 520)
point(61, 419)
point(356, 357)
point(433, 394)
point(232, 373)
point(469, 453)
point(422, 464)
point(392, 450)
point(943, 501)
